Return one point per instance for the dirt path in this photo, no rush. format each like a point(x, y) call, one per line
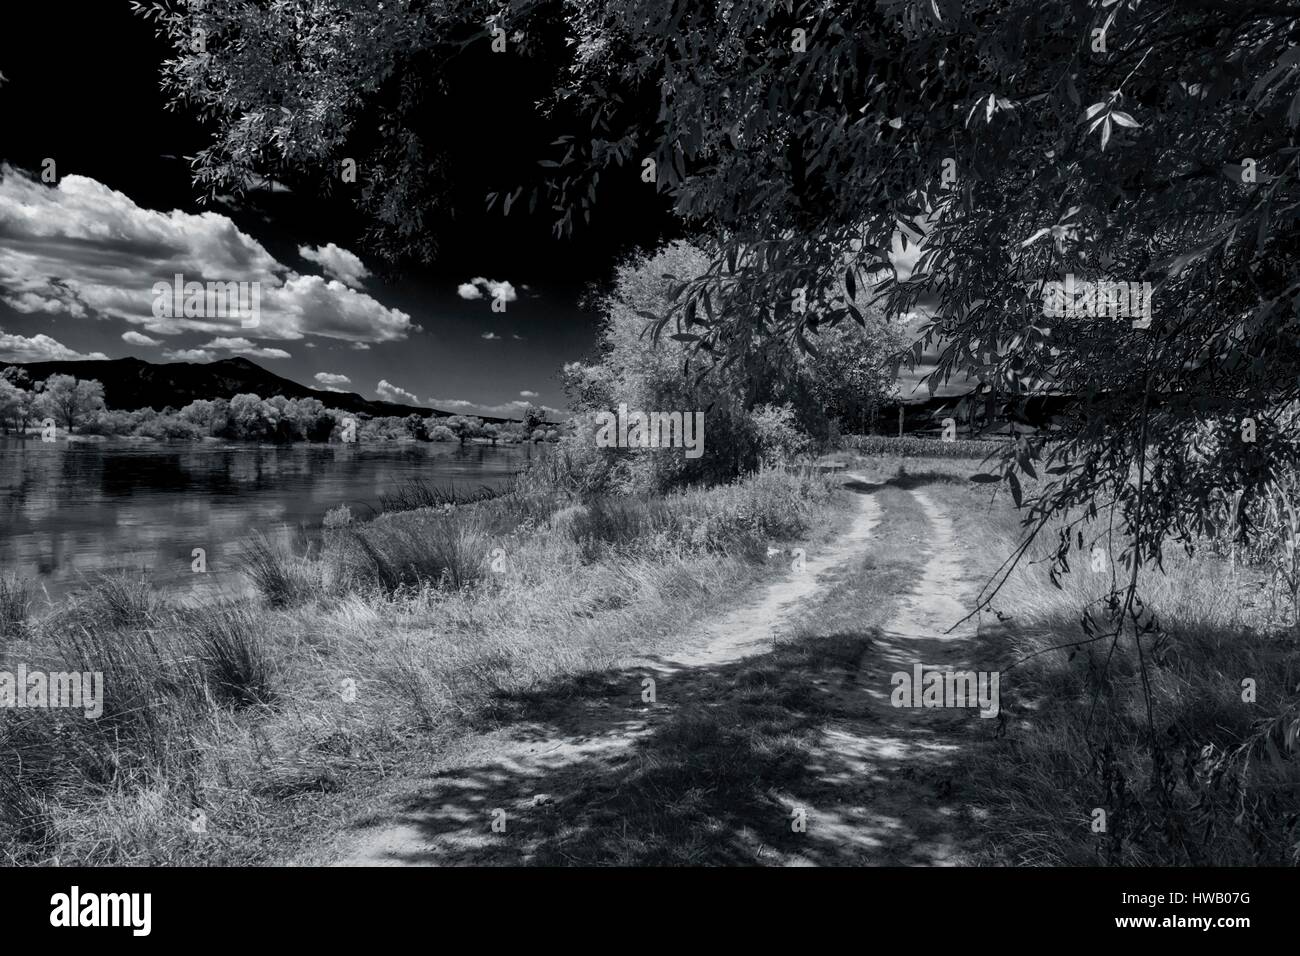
point(895, 766)
point(529, 768)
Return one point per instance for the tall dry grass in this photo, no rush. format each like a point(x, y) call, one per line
point(371, 644)
point(1157, 734)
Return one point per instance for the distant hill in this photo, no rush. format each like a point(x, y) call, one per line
point(132, 383)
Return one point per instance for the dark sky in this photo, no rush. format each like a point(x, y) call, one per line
point(77, 262)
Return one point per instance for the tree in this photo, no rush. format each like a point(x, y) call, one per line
point(464, 427)
point(201, 413)
point(16, 376)
point(415, 427)
point(533, 417)
point(68, 400)
point(851, 372)
point(11, 398)
point(17, 399)
point(1000, 144)
point(648, 375)
point(248, 417)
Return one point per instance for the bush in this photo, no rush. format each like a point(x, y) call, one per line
point(741, 518)
point(118, 601)
point(340, 517)
point(426, 548)
point(281, 577)
point(169, 428)
point(777, 433)
point(235, 665)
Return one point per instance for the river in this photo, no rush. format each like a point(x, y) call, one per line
point(72, 510)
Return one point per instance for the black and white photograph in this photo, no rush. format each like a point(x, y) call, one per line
point(650, 435)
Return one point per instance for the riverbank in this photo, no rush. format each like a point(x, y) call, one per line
point(233, 733)
point(677, 680)
point(74, 511)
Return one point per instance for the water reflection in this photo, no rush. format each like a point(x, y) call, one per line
point(68, 510)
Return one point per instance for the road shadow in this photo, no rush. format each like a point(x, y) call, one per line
point(780, 758)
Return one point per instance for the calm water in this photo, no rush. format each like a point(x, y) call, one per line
point(69, 511)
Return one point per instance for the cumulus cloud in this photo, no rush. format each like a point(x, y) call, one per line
point(39, 348)
point(139, 338)
point(392, 393)
point(527, 394)
point(478, 287)
point(332, 378)
point(188, 355)
point(81, 248)
point(241, 346)
point(337, 263)
point(513, 409)
point(30, 302)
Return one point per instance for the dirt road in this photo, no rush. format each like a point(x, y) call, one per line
point(880, 775)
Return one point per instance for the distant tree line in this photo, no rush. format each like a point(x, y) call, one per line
point(77, 405)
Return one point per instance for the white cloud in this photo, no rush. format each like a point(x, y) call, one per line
point(392, 393)
point(188, 355)
point(241, 346)
point(39, 348)
point(512, 409)
point(337, 263)
point(139, 338)
point(30, 302)
point(332, 378)
point(477, 287)
point(527, 394)
point(491, 336)
point(81, 248)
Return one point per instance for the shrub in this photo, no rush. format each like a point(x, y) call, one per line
point(777, 433)
point(235, 665)
point(424, 548)
point(118, 601)
point(340, 517)
point(281, 577)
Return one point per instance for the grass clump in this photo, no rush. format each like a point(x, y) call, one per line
point(15, 605)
